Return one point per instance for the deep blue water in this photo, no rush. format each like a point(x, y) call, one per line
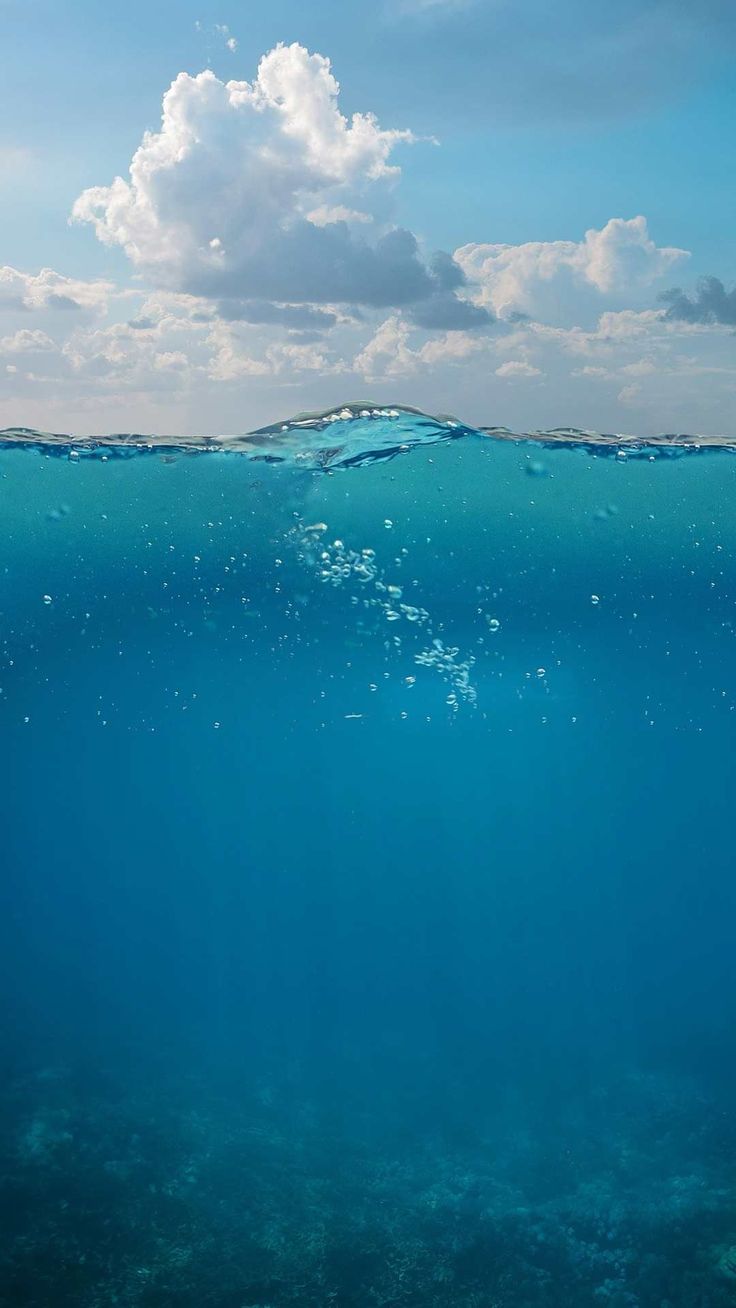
point(335, 976)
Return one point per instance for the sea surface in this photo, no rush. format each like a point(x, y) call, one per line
point(368, 911)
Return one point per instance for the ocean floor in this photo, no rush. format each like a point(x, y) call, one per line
point(244, 1195)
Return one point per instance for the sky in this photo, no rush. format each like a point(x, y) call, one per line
point(218, 215)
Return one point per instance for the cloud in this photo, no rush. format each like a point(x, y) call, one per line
point(325, 214)
point(640, 368)
point(296, 316)
point(389, 352)
point(231, 42)
point(26, 342)
point(590, 370)
point(234, 358)
point(518, 368)
point(630, 394)
point(628, 324)
point(711, 304)
point(530, 278)
point(264, 191)
point(177, 363)
point(25, 292)
point(221, 32)
point(444, 310)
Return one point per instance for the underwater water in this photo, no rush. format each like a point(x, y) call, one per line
point(368, 901)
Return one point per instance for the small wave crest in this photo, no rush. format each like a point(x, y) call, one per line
point(350, 435)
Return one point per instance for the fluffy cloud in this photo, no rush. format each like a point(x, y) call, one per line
point(326, 214)
point(387, 353)
point(263, 190)
point(518, 368)
point(390, 353)
point(619, 258)
point(711, 304)
point(26, 342)
point(25, 292)
point(235, 357)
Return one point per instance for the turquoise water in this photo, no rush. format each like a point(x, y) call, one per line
point(368, 907)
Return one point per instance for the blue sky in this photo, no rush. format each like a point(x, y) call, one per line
point(532, 124)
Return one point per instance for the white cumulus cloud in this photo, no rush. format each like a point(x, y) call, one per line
point(265, 191)
point(259, 189)
point(613, 260)
point(26, 292)
point(390, 352)
point(26, 342)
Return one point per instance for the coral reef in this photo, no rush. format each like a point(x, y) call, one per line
point(261, 1197)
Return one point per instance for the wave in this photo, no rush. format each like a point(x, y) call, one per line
point(353, 434)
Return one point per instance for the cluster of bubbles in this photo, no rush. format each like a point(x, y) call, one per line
point(445, 660)
point(337, 564)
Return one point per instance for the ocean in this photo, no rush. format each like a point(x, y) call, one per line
point(368, 901)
